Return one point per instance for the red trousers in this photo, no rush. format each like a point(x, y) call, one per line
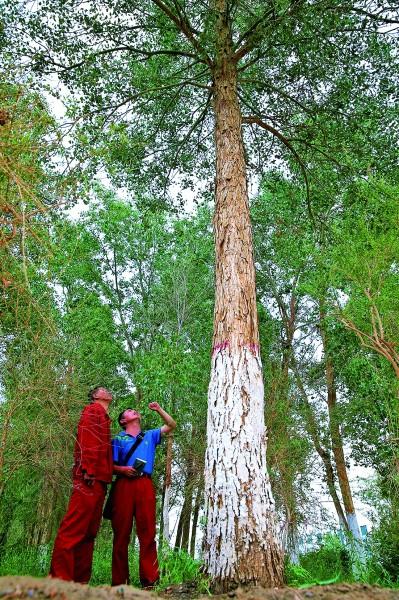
point(73, 547)
point(134, 498)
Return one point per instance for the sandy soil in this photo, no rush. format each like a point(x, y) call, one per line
point(27, 588)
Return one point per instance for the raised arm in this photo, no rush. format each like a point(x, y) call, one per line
point(170, 423)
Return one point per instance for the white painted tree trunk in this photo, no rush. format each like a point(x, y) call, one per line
point(356, 542)
point(241, 533)
point(354, 526)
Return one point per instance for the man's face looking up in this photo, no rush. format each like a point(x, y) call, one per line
point(102, 394)
point(131, 414)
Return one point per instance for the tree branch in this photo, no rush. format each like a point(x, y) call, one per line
point(254, 26)
point(139, 51)
point(193, 127)
point(287, 143)
point(184, 26)
point(372, 16)
point(252, 33)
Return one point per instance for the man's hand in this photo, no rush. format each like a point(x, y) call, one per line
point(88, 479)
point(129, 472)
point(170, 424)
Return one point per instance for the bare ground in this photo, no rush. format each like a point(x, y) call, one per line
point(30, 588)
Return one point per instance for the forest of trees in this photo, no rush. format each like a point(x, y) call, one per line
point(210, 222)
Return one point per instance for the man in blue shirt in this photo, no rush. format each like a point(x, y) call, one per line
point(134, 495)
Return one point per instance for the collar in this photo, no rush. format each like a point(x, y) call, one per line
point(123, 432)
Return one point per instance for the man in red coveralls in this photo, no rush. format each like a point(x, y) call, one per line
point(73, 548)
point(134, 496)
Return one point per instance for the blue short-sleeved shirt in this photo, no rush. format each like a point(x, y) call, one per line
point(122, 443)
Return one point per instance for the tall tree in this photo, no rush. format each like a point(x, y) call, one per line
point(174, 82)
point(283, 268)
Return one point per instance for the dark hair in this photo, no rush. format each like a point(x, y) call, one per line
point(120, 416)
point(90, 395)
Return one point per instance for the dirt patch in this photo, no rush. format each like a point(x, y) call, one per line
point(342, 591)
point(30, 588)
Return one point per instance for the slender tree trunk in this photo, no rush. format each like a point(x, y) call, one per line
point(336, 439)
point(197, 506)
point(241, 540)
point(186, 521)
point(125, 330)
point(289, 319)
point(339, 455)
point(292, 537)
point(188, 504)
point(277, 410)
point(179, 530)
point(41, 529)
point(161, 522)
point(313, 430)
point(167, 488)
point(9, 407)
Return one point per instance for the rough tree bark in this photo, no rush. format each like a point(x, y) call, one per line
point(241, 544)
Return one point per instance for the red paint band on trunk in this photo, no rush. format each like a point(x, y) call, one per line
point(221, 346)
point(252, 347)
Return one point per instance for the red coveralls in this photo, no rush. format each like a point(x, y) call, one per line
point(134, 498)
point(73, 547)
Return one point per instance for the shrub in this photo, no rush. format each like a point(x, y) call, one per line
point(330, 561)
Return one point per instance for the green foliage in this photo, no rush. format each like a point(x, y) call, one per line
point(384, 547)
point(383, 540)
point(179, 567)
point(33, 561)
point(331, 560)
point(296, 576)
point(323, 72)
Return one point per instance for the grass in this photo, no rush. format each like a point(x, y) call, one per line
point(332, 562)
point(176, 567)
point(336, 562)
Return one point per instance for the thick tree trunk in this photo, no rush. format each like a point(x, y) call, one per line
point(241, 544)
